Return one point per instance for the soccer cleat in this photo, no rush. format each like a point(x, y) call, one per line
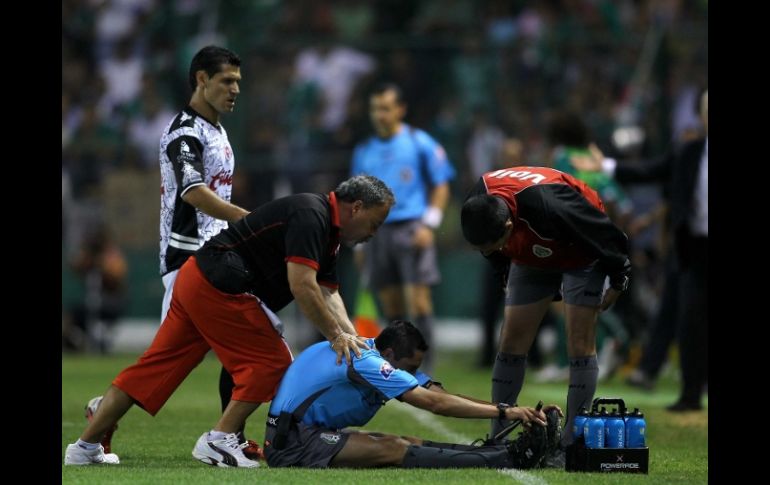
point(555, 456)
point(91, 408)
point(226, 452)
point(528, 449)
point(75, 455)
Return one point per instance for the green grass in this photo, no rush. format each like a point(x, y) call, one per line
point(157, 450)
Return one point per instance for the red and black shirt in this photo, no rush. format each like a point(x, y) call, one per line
point(558, 222)
point(251, 255)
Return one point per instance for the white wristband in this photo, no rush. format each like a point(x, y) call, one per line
point(432, 217)
point(608, 166)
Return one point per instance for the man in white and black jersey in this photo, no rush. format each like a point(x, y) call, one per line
point(196, 164)
point(196, 169)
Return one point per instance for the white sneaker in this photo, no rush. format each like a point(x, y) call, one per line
point(76, 455)
point(225, 452)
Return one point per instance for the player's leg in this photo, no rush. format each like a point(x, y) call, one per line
point(252, 351)
point(392, 302)
point(176, 349)
point(528, 296)
point(419, 269)
point(378, 449)
point(583, 290)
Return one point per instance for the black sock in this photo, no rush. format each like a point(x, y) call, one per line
point(583, 374)
point(226, 386)
point(429, 457)
point(507, 379)
point(456, 446)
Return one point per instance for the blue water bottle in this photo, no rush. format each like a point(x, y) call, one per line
point(635, 430)
point(614, 430)
point(593, 430)
point(579, 423)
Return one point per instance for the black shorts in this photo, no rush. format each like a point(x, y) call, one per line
point(306, 446)
point(391, 259)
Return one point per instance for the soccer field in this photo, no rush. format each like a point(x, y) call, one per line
point(157, 450)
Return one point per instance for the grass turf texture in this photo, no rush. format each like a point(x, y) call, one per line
point(157, 450)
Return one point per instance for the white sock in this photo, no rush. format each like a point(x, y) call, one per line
point(216, 435)
point(86, 445)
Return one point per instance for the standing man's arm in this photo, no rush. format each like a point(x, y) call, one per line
point(431, 218)
point(310, 298)
point(186, 155)
point(576, 219)
point(207, 201)
point(336, 306)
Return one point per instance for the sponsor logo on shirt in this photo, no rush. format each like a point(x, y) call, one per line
point(386, 370)
point(189, 174)
point(541, 251)
point(222, 178)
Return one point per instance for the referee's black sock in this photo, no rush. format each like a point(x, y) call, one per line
point(429, 457)
point(507, 380)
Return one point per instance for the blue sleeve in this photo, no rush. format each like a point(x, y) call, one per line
point(439, 169)
point(358, 154)
point(380, 374)
point(422, 378)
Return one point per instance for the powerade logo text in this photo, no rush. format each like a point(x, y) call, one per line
point(619, 466)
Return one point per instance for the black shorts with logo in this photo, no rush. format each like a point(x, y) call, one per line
point(306, 446)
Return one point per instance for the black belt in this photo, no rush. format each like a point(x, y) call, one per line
point(272, 421)
point(282, 424)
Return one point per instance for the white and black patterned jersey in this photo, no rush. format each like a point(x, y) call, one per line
point(193, 152)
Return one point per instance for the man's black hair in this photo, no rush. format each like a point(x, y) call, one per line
point(483, 219)
point(567, 128)
point(211, 59)
point(403, 337)
point(384, 87)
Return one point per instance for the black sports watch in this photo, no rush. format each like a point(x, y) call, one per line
point(501, 407)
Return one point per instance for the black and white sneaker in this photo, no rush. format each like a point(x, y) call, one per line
point(225, 452)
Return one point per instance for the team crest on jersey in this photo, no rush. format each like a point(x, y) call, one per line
point(386, 370)
point(189, 174)
point(541, 251)
point(330, 438)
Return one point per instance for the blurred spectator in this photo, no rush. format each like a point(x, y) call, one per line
point(101, 266)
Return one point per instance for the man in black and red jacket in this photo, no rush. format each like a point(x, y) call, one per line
point(550, 238)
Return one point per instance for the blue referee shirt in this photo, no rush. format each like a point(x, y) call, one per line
point(354, 393)
point(411, 162)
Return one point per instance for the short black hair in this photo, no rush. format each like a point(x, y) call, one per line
point(384, 87)
point(211, 59)
point(483, 219)
point(368, 189)
point(567, 128)
point(403, 337)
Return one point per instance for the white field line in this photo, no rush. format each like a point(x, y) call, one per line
point(430, 421)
